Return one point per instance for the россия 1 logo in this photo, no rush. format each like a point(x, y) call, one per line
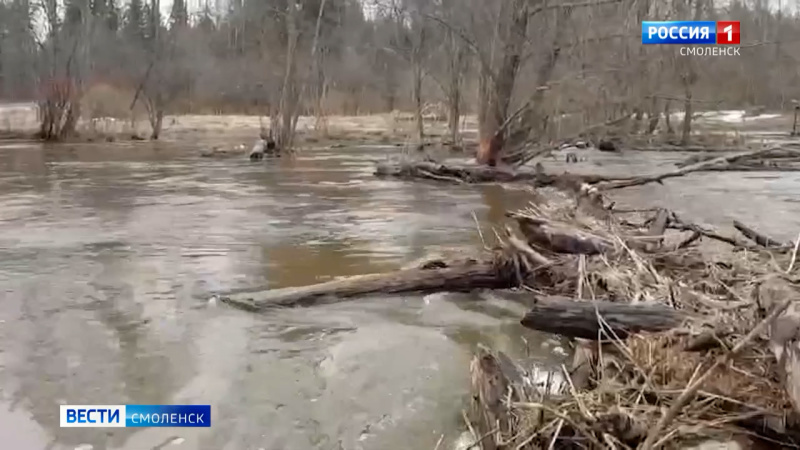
point(691, 32)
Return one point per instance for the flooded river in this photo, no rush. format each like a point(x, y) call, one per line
point(108, 255)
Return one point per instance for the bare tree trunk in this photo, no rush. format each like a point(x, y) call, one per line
point(455, 68)
point(155, 115)
point(642, 12)
point(638, 118)
point(417, 93)
point(533, 120)
point(318, 74)
point(273, 121)
point(289, 103)
point(653, 116)
point(71, 120)
point(454, 111)
point(668, 117)
point(688, 79)
point(686, 128)
point(60, 108)
point(497, 88)
point(157, 124)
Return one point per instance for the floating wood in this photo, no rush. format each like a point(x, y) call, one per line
point(698, 167)
point(752, 168)
point(474, 173)
point(784, 332)
point(758, 238)
point(457, 276)
point(583, 362)
point(495, 379)
point(543, 234)
point(656, 230)
point(677, 224)
point(579, 319)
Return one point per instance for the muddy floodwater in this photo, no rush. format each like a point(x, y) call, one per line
point(109, 253)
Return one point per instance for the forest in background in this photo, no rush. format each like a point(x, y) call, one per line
point(516, 64)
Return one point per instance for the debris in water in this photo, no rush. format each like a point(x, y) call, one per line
point(464, 441)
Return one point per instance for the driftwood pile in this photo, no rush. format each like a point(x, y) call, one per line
point(776, 158)
point(672, 345)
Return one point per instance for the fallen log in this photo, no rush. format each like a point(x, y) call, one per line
point(495, 380)
point(456, 173)
point(784, 333)
point(700, 166)
point(751, 168)
point(759, 238)
point(676, 223)
point(476, 174)
point(656, 230)
point(690, 149)
point(543, 234)
point(579, 319)
point(458, 276)
point(583, 361)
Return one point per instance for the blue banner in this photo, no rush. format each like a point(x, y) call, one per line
point(679, 32)
point(167, 415)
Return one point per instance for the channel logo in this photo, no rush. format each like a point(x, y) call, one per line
point(128, 416)
point(692, 32)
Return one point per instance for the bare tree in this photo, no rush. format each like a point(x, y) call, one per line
point(61, 82)
point(533, 67)
point(317, 76)
point(289, 106)
point(410, 43)
point(457, 64)
point(499, 68)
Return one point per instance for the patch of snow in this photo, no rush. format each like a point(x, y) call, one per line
point(765, 116)
point(730, 116)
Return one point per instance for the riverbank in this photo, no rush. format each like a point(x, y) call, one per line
point(715, 130)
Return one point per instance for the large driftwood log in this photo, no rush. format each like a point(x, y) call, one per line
point(543, 234)
point(495, 381)
point(579, 319)
point(759, 238)
point(677, 224)
point(457, 276)
point(752, 168)
point(583, 362)
point(784, 333)
point(475, 173)
point(698, 167)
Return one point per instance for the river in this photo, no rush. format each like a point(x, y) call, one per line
point(110, 252)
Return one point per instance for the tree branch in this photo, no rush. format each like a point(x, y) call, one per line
point(485, 65)
point(545, 7)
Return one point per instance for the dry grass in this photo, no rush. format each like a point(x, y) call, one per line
point(731, 388)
